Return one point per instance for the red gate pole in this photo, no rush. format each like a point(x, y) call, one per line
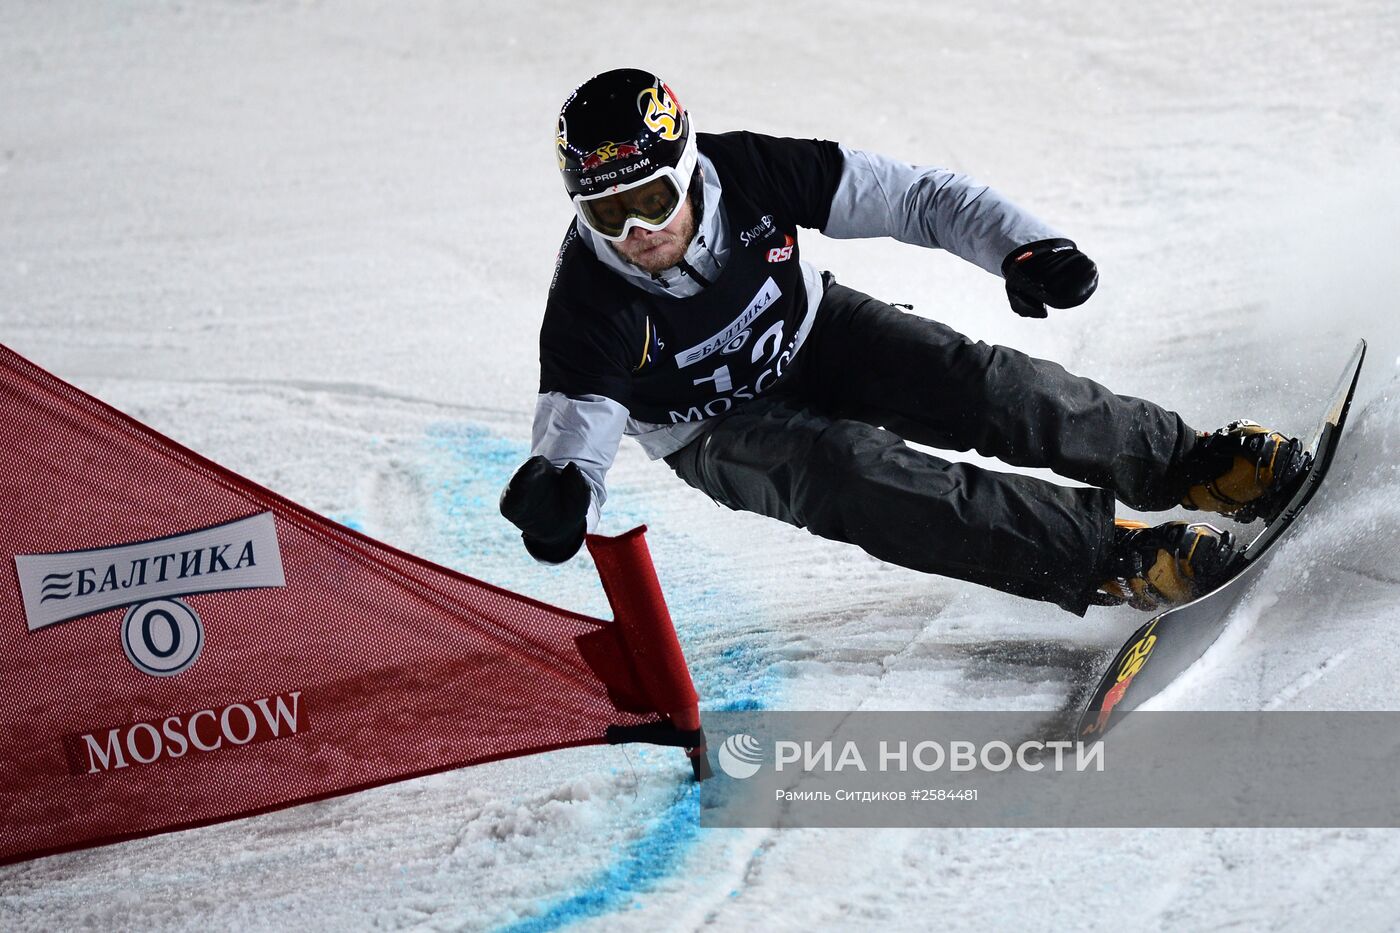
point(644, 623)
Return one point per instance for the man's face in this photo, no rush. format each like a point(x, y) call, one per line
point(657, 250)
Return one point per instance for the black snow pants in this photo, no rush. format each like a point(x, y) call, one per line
point(825, 451)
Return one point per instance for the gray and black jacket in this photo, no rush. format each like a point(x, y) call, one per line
point(660, 356)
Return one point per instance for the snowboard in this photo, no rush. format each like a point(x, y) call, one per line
point(1171, 642)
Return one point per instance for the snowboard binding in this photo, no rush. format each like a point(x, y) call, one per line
point(1245, 471)
point(1152, 568)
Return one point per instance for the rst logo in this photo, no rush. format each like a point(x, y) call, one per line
point(782, 253)
point(206, 730)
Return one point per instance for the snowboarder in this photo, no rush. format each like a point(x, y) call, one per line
point(682, 313)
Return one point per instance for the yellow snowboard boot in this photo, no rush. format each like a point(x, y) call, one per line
point(1245, 471)
point(1157, 568)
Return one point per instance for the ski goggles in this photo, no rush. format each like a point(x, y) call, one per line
point(651, 204)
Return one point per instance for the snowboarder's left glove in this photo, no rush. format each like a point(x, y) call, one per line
point(1048, 272)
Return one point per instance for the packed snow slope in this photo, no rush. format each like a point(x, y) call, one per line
point(312, 240)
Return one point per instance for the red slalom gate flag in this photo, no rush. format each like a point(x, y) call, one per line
point(180, 646)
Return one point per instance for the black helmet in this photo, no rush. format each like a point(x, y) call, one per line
point(626, 150)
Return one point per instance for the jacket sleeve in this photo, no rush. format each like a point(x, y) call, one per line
point(880, 196)
point(585, 430)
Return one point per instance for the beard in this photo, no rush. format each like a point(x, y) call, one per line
point(661, 249)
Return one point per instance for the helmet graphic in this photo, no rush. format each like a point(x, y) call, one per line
point(627, 152)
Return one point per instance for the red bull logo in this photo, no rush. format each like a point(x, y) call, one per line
point(607, 153)
point(1132, 663)
point(1110, 700)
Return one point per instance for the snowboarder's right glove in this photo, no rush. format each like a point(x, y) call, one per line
point(549, 506)
point(1048, 272)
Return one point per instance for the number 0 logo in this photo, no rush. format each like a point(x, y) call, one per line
point(162, 637)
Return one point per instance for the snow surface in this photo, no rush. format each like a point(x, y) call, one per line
point(312, 241)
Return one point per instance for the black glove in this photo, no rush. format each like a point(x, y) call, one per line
point(549, 506)
point(1048, 272)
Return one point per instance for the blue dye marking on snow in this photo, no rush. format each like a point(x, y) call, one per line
point(349, 521)
point(469, 471)
point(642, 863)
point(476, 464)
point(479, 465)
